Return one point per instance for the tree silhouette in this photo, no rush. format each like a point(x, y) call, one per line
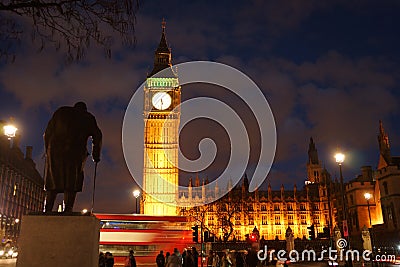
point(68, 25)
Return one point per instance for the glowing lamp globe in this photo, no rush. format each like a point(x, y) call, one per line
point(339, 157)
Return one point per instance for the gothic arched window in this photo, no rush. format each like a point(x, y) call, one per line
point(385, 188)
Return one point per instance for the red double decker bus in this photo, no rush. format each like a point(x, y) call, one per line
point(146, 235)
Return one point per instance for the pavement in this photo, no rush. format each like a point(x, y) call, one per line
point(320, 264)
point(13, 263)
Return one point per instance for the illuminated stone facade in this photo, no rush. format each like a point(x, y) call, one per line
point(21, 187)
point(388, 179)
point(162, 94)
point(358, 205)
point(383, 185)
point(271, 212)
point(318, 203)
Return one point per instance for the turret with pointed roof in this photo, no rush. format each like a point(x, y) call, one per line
point(384, 147)
point(163, 55)
point(312, 153)
point(313, 164)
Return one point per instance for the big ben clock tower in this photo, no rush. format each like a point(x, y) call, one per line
point(162, 96)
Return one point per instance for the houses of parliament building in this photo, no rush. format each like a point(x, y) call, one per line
point(271, 212)
point(322, 202)
point(238, 212)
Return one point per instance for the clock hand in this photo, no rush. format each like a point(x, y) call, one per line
point(161, 103)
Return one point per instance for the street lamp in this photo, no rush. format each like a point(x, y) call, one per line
point(339, 157)
point(10, 131)
point(136, 194)
point(368, 196)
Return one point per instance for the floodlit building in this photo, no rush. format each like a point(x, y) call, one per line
point(271, 212)
point(388, 179)
point(21, 186)
point(321, 202)
point(162, 93)
point(363, 201)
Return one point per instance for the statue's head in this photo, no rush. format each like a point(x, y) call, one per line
point(81, 106)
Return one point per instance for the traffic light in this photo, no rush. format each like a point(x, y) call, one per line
point(206, 236)
point(311, 232)
point(195, 233)
point(327, 233)
point(253, 238)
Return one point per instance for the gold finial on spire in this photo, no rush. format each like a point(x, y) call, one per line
point(163, 24)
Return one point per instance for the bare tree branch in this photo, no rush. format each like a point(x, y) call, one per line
point(70, 25)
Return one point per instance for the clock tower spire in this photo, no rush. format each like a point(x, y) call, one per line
point(162, 55)
point(162, 97)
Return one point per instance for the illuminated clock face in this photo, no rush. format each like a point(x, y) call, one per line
point(161, 100)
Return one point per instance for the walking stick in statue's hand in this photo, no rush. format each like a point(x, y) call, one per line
point(94, 186)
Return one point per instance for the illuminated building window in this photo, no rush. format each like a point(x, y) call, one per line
point(237, 222)
point(303, 219)
point(289, 207)
point(15, 189)
point(316, 207)
point(263, 207)
point(290, 219)
point(277, 220)
point(264, 220)
point(278, 232)
point(316, 175)
point(302, 206)
point(276, 207)
point(251, 220)
point(316, 219)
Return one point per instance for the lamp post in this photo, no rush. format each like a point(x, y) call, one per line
point(136, 194)
point(339, 157)
point(368, 196)
point(9, 130)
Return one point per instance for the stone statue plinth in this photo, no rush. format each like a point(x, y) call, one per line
point(59, 240)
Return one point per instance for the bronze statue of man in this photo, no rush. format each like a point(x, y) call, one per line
point(65, 141)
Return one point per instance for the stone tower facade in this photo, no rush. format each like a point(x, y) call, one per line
point(162, 96)
point(388, 177)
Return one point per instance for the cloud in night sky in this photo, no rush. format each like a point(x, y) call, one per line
point(330, 82)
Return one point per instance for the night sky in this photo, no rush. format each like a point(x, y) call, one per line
point(329, 69)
